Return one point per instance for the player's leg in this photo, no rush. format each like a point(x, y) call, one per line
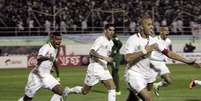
point(145, 95)
point(194, 83)
point(60, 91)
point(52, 84)
point(85, 89)
point(115, 75)
point(32, 86)
point(109, 84)
point(89, 81)
point(165, 75)
point(132, 96)
point(25, 98)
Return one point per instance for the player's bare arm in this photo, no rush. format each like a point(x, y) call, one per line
point(95, 55)
point(136, 56)
point(180, 58)
point(55, 65)
point(41, 58)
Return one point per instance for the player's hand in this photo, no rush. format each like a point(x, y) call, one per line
point(150, 48)
point(190, 61)
point(108, 59)
point(196, 65)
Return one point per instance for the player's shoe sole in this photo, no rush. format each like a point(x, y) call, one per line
point(191, 84)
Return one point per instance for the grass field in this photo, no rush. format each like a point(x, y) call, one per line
point(12, 82)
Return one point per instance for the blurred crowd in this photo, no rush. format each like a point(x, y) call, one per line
point(81, 15)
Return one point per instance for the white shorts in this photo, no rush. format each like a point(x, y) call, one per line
point(160, 67)
point(96, 73)
point(137, 81)
point(35, 83)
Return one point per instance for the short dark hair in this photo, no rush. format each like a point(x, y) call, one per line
point(56, 33)
point(108, 25)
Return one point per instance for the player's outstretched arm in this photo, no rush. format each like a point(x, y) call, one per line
point(180, 58)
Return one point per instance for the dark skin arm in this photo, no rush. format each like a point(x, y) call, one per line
point(41, 58)
point(56, 68)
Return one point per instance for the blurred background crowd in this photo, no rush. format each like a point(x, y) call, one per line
point(78, 16)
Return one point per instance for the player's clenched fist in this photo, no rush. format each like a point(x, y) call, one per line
point(150, 48)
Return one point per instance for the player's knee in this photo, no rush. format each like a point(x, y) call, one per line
point(168, 80)
point(148, 98)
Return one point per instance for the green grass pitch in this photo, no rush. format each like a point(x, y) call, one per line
point(12, 82)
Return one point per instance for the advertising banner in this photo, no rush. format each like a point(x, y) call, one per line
point(13, 61)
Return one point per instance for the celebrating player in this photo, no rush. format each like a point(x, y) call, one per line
point(97, 69)
point(40, 76)
point(158, 60)
point(139, 73)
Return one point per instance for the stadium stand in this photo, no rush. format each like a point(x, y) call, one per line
point(20, 17)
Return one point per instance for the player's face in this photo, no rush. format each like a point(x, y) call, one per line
point(110, 32)
point(147, 25)
point(56, 41)
point(164, 32)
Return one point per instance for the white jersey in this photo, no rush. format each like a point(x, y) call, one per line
point(47, 50)
point(158, 56)
point(102, 46)
point(136, 43)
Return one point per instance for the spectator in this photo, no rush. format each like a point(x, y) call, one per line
point(189, 47)
point(63, 26)
point(47, 26)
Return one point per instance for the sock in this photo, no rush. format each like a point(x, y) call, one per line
point(77, 90)
point(21, 99)
point(66, 91)
point(198, 82)
point(56, 97)
point(111, 95)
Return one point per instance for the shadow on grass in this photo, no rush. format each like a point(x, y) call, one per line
point(99, 91)
point(192, 100)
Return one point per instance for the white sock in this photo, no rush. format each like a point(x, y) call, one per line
point(56, 97)
point(77, 89)
point(112, 95)
point(198, 82)
point(21, 99)
point(66, 91)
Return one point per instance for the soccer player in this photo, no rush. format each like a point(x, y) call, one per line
point(40, 76)
point(97, 69)
point(117, 59)
point(139, 73)
point(158, 60)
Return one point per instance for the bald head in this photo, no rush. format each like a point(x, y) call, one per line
point(146, 26)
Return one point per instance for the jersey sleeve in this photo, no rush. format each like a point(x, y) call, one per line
point(130, 46)
point(97, 44)
point(169, 42)
point(161, 47)
point(43, 50)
